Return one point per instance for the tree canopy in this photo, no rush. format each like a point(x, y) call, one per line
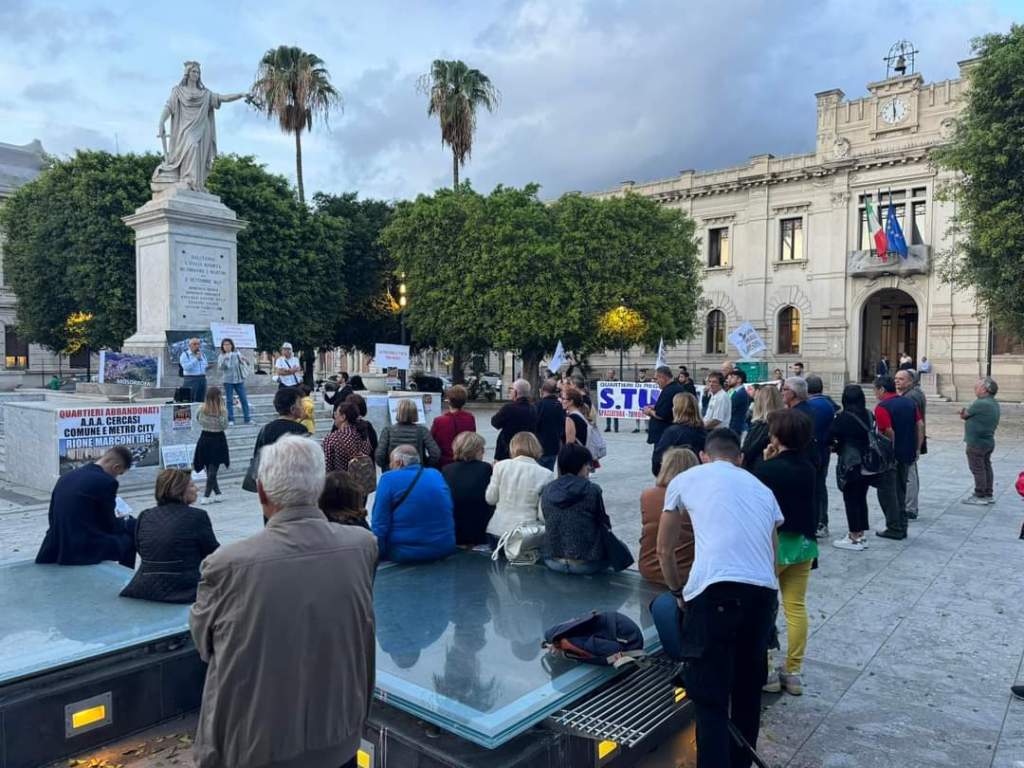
point(987, 151)
point(507, 271)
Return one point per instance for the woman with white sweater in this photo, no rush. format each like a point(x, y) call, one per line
point(515, 487)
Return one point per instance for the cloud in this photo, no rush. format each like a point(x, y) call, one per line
point(49, 92)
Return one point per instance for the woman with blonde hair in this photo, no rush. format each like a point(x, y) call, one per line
point(212, 447)
point(405, 431)
point(767, 400)
point(515, 487)
point(652, 502)
point(686, 431)
point(468, 476)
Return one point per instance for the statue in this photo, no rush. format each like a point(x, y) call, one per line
point(193, 139)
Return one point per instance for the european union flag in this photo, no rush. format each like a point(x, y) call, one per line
point(894, 233)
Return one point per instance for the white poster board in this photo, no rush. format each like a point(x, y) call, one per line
point(177, 456)
point(391, 356)
point(625, 399)
point(243, 334)
point(747, 341)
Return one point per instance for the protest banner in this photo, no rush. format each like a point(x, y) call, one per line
point(83, 434)
point(625, 399)
point(391, 356)
point(130, 370)
point(747, 341)
point(178, 456)
point(242, 334)
point(177, 342)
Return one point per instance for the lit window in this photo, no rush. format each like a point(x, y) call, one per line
point(789, 331)
point(718, 247)
point(715, 342)
point(15, 350)
point(792, 239)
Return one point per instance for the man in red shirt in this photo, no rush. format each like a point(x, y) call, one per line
point(899, 419)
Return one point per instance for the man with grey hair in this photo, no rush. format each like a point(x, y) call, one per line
point(193, 364)
point(293, 603)
point(514, 417)
point(413, 512)
point(906, 386)
point(981, 419)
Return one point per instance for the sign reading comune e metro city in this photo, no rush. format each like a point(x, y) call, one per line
point(83, 434)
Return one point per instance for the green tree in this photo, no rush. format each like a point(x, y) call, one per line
point(290, 259)
point(295, 87)
point(368, 275)
point(987, 152)
point(507, 271)
point(67, 251)
point(455, 92)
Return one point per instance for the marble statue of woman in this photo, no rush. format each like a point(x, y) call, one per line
point(192, 144)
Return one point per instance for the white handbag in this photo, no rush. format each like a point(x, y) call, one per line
point(521, 545)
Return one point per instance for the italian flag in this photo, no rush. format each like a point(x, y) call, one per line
point(881, 241)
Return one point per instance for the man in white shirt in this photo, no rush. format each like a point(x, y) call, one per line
point(288, 368)
point(719, 410)
point(729, 597)
point(193, 370)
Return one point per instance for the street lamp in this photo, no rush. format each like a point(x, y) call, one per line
point(402, 299)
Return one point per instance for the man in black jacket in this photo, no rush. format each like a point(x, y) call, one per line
point(550, 429)
point(660, 414)
point(513, 418)
point(343, 390)
point(83, 527)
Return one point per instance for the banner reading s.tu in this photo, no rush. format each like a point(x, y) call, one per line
point(625, 399)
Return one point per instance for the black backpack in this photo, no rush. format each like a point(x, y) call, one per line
point(605, 639)
point(880, 455)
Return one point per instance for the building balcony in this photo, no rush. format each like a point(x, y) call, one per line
point(868, 264)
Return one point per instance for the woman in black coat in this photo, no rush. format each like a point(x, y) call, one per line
point(468, 477)
point(172, 539)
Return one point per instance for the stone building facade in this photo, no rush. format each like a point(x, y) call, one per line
point(24, 364)
point(786, 245)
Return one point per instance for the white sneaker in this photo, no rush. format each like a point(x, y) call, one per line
point(203, 501)
point(231, 423)
point(847, 543)
point(774, 683)
point(976, 500)
point(217, 499)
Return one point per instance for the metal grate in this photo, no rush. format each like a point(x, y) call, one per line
point(628, 709)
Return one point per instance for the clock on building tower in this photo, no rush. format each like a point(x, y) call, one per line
point(893, 110)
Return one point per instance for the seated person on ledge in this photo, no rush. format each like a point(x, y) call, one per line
point(412, 511)
point(574, 516)
point(83, 527)
point(173, 538)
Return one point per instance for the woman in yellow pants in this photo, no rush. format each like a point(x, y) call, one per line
point(788, 471)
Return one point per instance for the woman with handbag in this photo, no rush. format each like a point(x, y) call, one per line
point(577, 528)
point(515, 488)
point(407, 432)
point(849, 438)
point(233, 370)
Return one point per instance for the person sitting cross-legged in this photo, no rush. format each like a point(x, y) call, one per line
point(412, 511)
point(574, 516)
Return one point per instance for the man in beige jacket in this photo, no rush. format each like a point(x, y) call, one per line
point(285, 621)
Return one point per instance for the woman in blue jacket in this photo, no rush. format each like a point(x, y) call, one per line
point(412, 512)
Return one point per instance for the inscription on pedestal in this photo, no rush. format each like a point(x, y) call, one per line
point(202, 284)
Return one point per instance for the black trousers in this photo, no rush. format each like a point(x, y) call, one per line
point(197, 385)
point(212, 486)
point(725, 641)
point(821, 491)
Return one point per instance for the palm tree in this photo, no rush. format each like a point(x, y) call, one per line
point(455, 92)
point(294, 86)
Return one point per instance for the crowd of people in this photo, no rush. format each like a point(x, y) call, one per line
point(730, 528)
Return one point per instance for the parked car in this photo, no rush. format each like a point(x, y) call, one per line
point(494, 379)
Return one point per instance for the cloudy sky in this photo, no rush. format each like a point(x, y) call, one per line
point(593, 91)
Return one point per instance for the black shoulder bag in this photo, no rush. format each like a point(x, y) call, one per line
point(407, 491)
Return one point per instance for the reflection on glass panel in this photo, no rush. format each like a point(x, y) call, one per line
point(715, 335)
point(15, 350)
point(789, 331)
point(920, 223)
point(718, 247)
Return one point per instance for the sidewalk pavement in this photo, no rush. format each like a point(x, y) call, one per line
point(913, 644)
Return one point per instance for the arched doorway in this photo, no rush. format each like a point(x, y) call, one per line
point(889, 327)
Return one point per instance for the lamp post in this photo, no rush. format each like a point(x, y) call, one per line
point(401, 319)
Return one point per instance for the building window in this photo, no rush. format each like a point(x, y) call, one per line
point(791, 236)
point(718, 247)
point(789, 331)
point(15, 350)
point(1006, 343)
point(715, 342)
point(915, 230)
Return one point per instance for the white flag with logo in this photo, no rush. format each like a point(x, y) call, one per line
point(661, 354)
point(557, 359)
point(747, 341)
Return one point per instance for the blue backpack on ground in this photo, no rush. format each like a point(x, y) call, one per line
point(605, 639)
point(668, 620)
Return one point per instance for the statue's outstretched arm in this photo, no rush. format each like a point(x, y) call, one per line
point(232, 96)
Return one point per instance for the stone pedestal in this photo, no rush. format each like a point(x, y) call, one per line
point(186, 273)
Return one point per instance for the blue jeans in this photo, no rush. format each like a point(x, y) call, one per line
point(576, 569)
point(229, 393)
